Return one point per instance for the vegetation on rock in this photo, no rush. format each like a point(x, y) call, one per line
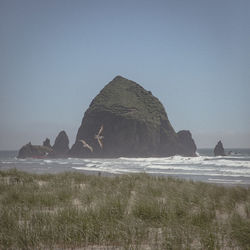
point(128, 99)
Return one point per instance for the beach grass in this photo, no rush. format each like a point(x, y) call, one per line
point(78, 211)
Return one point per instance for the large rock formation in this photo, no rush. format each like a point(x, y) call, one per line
point(61, 145)
point(219, 149)
point(134, 124)
point(34, 151)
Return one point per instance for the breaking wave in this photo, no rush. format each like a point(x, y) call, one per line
point(233, 169)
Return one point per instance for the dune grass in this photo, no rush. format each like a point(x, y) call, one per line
point(73, 210)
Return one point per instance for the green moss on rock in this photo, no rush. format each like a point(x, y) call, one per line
point(128, 99)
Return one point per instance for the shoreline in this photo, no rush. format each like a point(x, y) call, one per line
point(214, 181)
point(229, 170)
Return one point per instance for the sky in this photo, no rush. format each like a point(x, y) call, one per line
point(56, 55)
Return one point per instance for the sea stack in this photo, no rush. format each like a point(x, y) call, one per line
point(61, 145)
point(219, 149)
point(60, 148)
point(126, 120)
point(33, 151)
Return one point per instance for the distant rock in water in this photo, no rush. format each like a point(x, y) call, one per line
point(187, 145)
point(34, 151)
point(61, 145)
point(60, 148)
point(46, 143)
point(126, 120)
point(219, 149)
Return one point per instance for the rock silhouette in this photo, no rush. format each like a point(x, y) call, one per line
point(187, 145)
point(34, 151)
point(59, 149)
point(61, 145)
point(135, 124)
point(219, 149)
point(122, 120)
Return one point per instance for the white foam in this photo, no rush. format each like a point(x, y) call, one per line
point(90, 165)
point(224, 180)
point(18, 159)
point(86, 168)
point(194, 174)
point(182, 167)
point(228, 163)
point(222, 166)
point(48, 161)
point(62, 163)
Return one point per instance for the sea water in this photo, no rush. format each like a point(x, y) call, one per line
point(233, 169)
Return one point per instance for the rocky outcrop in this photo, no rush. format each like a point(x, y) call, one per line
point(59, 149)
point(46, 143)
point(126, 120)
point(219, 149)
point(187, 145)
point(122, 120)
point(34, 151)
point(61, 145)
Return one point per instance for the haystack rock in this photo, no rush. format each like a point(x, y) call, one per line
point(219, 149)
point(61, 145)
point(126, 120)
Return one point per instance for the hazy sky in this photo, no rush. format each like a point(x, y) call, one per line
point(55, 57)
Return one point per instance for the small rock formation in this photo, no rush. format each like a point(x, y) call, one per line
point(61, 145)
point(34, 151)
point(187, 145)
point(134, 124)
point(219, 149)
point(46, 143)
point(60, 148)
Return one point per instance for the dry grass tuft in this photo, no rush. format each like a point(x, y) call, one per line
point(77, 211)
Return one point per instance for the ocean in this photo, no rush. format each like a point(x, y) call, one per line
point(233, 169)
